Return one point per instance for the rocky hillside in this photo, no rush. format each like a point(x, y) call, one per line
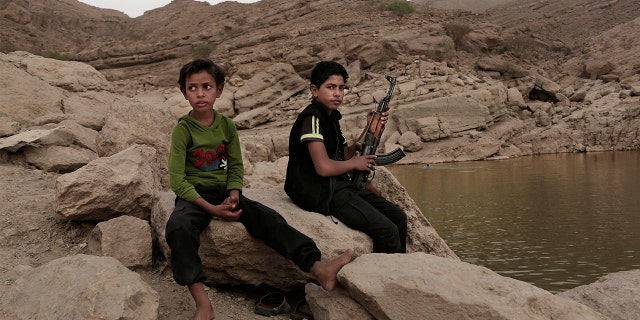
point(536, 76)
point(538, 33)
point(53, 27)
point(566, 34)
point(536, 72)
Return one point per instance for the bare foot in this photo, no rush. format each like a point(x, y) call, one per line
point(204, 312)
point(326, 272)
point(204, 309)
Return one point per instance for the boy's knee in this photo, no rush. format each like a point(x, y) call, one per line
point(388, 247)
point(401, 216)
point(178, 229)
point(388, 241)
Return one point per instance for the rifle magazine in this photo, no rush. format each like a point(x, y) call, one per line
point(388, 158)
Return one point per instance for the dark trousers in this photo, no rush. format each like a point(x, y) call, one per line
point(187, 222)
point(365, 211)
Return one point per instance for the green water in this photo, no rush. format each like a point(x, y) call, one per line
point(555, 221)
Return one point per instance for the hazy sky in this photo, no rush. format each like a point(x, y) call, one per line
point(134, 8)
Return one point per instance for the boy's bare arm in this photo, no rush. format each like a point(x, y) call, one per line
point(326, 167)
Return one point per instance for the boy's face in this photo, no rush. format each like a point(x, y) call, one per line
point(330, 93)
point(201, 90)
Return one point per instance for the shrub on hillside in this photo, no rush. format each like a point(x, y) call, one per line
point(444, 50)
point(456, 31)
point(202, 51)
point(7, 46)
point(56, 55)
point(387, 54)
point(399, 7)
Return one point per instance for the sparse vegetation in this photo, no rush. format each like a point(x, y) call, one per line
point(522, 46)
point(511, 70)
point(500, 50)
point(7, 46)
point(400, 7)
point(56, 55)
point(456, 31)
point(387, 53)
point(202, 50)
point(444, 49)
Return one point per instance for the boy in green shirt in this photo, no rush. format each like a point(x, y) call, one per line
point(206, 172)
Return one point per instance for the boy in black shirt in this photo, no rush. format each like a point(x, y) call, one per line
point(317, 173)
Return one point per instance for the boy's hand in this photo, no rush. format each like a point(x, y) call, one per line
point(233, 199)
point(383, 116)
point(226, 211)
point(228, 208)
point(363, 163)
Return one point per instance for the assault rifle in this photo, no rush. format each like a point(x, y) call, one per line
point(372, 135)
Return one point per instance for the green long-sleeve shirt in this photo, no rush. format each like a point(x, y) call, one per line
point(204, 156)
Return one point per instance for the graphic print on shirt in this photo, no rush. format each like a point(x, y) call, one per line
point(210, 160)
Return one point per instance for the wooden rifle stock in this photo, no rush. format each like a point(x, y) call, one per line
point(372, 135)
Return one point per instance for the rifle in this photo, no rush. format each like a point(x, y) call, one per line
point(372, 135)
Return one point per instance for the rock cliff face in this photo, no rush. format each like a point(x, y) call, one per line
point(48, 27)
point(540, 34)
point(472, 86)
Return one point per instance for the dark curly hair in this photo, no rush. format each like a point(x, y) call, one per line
point(199, 65)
